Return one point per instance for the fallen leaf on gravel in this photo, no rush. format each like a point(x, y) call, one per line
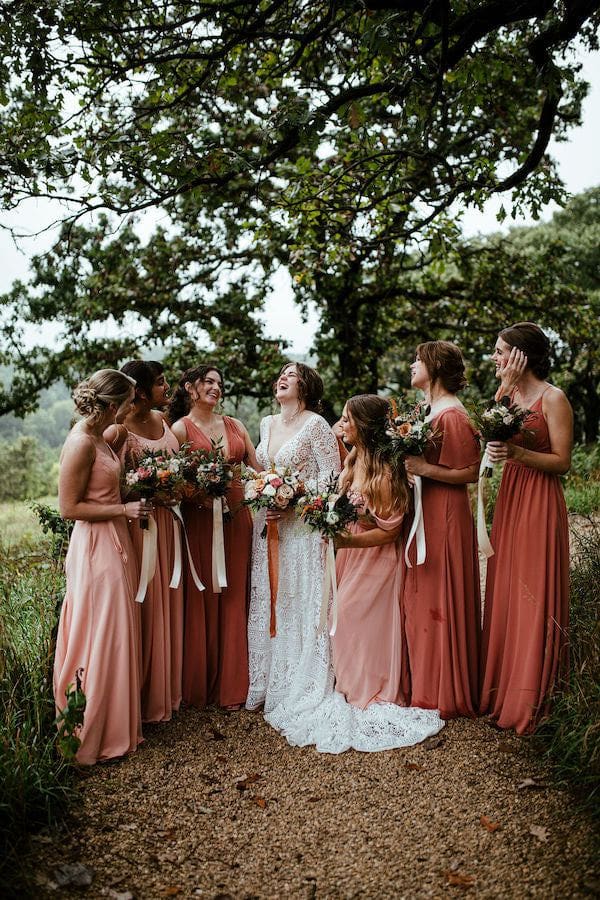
point(125, 895)
point(414, 767)
point(214, 734)
point(260, 801)
point(529, 783)
point(73, 873)
point(314, 799)
point(489, 825)
point(243, 784)
point(505, 747)
point(539, 832)
point(172, 891)
point(458, 879)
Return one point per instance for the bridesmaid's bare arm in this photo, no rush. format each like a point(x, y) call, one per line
point(417, 465)
point(250, 456)
point(558, 414)
point(178, 429)
point(76, 464)
point(115, 436)
point(375, 537)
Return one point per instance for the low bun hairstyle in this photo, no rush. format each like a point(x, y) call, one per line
point(181, 401)
point(533, 342)
point(310, 385)
point(94, 395)
point(145, 374)
point(444, 363)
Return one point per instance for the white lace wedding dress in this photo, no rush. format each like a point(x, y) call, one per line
point(291, 673)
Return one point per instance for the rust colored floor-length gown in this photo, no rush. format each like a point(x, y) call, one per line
point(524, 647)
point(162, 609)
point(98, 629)
point(215, 643)
point(442, 597)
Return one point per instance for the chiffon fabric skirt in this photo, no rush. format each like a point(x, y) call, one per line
point(99, 633)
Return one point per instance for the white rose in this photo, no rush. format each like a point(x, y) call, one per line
point(332, 518)
point(269, 490)
point(250, 492)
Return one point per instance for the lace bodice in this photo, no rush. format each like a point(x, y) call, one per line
point(313, 450)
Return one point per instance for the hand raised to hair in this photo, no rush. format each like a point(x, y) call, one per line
point(511, 373)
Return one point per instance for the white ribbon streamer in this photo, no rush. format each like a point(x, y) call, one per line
point(219, 575)
point(329, 585)
point(176, 510)
point(148, 566)
point(482, 535)
point(177, 555)
point(417, 529)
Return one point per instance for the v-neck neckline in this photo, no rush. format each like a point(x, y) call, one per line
point(285, 443)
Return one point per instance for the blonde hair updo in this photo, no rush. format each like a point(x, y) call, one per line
point(94, 395)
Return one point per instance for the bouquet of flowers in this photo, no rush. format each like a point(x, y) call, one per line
point(499, 423)
point(206, 473)
point(327, 511)
point(407, 429)
point(157, 477)
point(279, 488)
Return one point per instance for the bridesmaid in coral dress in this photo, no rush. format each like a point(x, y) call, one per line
point(99, 622)
point(442, 596)
point(215, 647)
point(368, 648)
point(526, 615)
point(162, 609)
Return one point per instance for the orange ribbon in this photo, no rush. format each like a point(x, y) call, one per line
point(273, 559)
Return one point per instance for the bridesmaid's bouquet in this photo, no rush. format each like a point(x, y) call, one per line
point(206, 473)
point(407, 430)
point(157, 477)
point(327, 511)
point(499, 422)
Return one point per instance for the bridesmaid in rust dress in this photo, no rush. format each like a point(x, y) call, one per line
point(441, 596)
point(215, 646)
point(99, 621)
point(162, 609)
point(527, 594)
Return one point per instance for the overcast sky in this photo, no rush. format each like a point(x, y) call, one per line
point(578, 165)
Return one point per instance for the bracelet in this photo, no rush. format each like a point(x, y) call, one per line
point(124, 510)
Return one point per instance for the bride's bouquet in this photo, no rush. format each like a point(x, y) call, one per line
point(279, 489)
point(499, 422)
point(327, 511)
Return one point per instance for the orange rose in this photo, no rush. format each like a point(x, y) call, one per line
point(405, 429)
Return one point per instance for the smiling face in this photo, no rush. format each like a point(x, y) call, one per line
point(286, 387)
point(419, 376)
point(500, 355)
point(206, 391)
point(160, 393)
point(349, 430)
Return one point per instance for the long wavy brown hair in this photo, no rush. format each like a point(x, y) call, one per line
point(383, 479)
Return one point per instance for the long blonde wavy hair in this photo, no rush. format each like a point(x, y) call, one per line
point(383, 479)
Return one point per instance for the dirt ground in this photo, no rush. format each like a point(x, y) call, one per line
point(218, 805)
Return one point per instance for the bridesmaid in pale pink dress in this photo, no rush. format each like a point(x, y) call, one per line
point(215, 647)
point(525, 631)
point(442, 596)
point(369, 652)
point(162, 609)
point(99, 622)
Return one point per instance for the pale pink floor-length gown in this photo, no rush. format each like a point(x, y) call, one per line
point(162, 609)
point(98, 630)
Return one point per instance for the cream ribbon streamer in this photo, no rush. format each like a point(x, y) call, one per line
point(482, 535)
point(219, 575)
point(417, 529)
point(329, 586)
point(176, 577)
point(148, 566)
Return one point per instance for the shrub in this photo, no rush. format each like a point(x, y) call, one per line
point(571, 736)
point(27, 469)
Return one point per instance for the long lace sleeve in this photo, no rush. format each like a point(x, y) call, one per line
point(325, 449)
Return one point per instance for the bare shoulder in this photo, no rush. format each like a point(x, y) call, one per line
point(179, 430)
point(79, 444)
point(555, 400)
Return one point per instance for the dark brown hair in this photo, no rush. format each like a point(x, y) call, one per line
point(533, 342)
point(145, 374)
point(310, 385)
point(180, 402)
point(369, 414)
point(444, 362)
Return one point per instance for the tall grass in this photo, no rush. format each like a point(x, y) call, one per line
point(570, 738)
point(36, 782)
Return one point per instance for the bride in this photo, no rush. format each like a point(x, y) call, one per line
point(291, 674)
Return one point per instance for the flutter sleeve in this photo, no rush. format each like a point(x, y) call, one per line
point(460, 445)
point(390, 523)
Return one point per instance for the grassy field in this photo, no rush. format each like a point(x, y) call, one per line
point(19, 524)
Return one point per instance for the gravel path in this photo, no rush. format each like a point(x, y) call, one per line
point(218, 805)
